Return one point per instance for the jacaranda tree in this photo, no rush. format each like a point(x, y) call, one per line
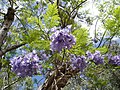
point(46, 38)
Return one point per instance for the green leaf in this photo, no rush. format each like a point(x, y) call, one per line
point(32, 36)
point(40, 44)
point(113, 24)
point(81, 36)
point(102, 49)
point(117, 12)
point(51, 18)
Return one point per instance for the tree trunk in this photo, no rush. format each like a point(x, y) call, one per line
point(58, 78)
point(8, 19)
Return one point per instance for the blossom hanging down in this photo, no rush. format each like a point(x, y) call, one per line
point(96, 57)
point(114, 60)
point(61, 40)
point(78, 62)
point(26, 65)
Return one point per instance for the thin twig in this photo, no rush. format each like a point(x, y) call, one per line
point(57, 2)
point(96, 27)
point(73, 16)
point(51, 1)
point(20, 21)
point(102, 39)
point(2, 13)
point(63, 55)
point(77, 6)
point(62, 8)
point(112, 38)
point(39, 82)
point(4, 88)
point(11, 3)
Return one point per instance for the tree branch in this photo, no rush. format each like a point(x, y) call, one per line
point(77, 6)
point(11, 3)
point(2, 52)
point(2, 13)
point(62, 8)
point(96, 28)
point(8, 19)
point(4, 88)
point(58, 78)
point(102, 39)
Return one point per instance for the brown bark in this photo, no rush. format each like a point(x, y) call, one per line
point(8, 19)
point(2, 52)
point(58, 78)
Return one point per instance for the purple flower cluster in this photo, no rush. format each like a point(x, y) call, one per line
point(44, 56)
point(60, 40)
point(96, 57)
point(115, 60)
point(78, 62)
point(26, 65)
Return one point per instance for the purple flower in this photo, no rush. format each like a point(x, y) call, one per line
point(9, 33)
point(96, 57)
point(61, 40)
point(115, 60)
point(44, 56)
point(26, 65)
point(89, 55)
point(78, 62)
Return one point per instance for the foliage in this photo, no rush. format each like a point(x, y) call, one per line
point(82, 41)
point(47, 39)
point(51, 18)
point(112, 24)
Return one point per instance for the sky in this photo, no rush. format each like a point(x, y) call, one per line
point(90, 6)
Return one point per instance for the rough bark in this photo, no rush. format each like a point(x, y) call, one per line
point(8, 19)
point(58, 78)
